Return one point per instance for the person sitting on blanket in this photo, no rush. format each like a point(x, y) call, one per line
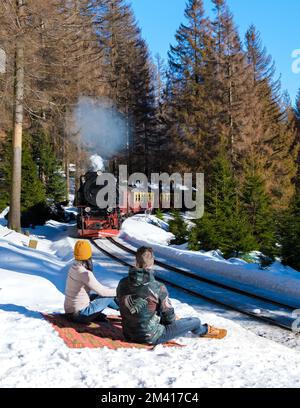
point(147, 313)
point(80, 305)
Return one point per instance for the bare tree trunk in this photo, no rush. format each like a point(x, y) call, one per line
point(15, 195)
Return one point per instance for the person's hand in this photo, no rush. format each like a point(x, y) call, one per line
point(177, 317)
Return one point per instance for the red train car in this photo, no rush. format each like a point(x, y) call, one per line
point(93, 222)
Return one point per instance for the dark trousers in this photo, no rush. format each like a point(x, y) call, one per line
point(181, 327)
point(94, 309)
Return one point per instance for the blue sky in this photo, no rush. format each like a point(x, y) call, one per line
point(277, 20)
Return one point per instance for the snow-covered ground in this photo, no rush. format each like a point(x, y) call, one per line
point(32, 354)
point(279, 283)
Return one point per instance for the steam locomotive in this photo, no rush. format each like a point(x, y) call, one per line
point(94, 222)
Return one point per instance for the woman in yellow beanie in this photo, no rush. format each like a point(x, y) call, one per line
point(80, 304)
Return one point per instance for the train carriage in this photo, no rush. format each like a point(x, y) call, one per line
point(94, 222)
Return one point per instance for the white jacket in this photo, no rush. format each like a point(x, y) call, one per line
point(80, 282)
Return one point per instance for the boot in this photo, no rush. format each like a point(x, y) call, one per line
point(215, 333)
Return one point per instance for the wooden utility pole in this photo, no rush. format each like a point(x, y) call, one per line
point(15, 194)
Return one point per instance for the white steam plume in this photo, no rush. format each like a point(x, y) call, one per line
point(96, 163)
point(101, 128)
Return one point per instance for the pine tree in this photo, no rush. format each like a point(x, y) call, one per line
point(125, 67)
point(269, 139)
point(159, 214)
point(50, 173)
point(284, 159)
point(297, 120)
point(258, 207)
point(259, 103)
point(263, 72)
point(178, 227)
point(225, 225)
point(5, 177)
point(33, 190)
point(188, 117)
point(290, 235)
point(229, 83)
point(161, 150)
point(144, 143)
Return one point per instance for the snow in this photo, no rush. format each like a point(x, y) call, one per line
point(278, 282)
point(3, 221)
point(32, 354)
point(139, 229)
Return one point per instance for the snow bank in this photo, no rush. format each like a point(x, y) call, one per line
point(277, 283)
point(140, 228)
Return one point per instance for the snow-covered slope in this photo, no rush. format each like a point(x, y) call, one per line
point(277, 282)
point(32, 354)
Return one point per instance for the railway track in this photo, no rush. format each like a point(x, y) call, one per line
point(271, 312)
point(200, 278)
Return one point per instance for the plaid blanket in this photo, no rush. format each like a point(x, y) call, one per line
point(95, 335)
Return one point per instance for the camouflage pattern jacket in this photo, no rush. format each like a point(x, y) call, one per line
point(144, 305)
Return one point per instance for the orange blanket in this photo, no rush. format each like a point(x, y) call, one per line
point(95, 335)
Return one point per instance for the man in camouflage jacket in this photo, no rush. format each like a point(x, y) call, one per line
point(146, 310)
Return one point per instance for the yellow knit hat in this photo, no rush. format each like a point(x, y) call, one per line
point(82, 250)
